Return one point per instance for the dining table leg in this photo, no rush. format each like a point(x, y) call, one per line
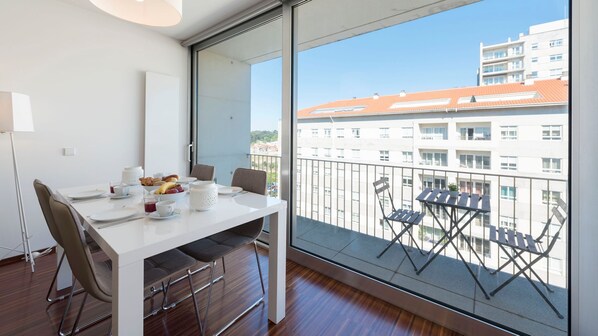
point(277, 265)
point(127, 298)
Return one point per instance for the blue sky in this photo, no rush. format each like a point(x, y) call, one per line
point(435, 52)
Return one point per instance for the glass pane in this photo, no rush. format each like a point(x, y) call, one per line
point(406, 67)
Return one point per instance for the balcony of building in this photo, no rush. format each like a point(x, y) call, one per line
point(338, 218)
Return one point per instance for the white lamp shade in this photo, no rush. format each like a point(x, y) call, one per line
point(15, 112)
point(158, 13)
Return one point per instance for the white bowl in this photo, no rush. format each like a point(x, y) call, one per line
point(150, 188)
point(171, 197)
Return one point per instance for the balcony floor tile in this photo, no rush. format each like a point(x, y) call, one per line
point(367, 248)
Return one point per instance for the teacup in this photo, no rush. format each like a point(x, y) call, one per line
point(121, 190)
point(165, 208)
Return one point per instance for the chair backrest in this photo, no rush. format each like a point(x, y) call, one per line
point(559, 212)
point(44, 193)
point(203, 172)
point(253, 181)
point(382, 190)
point(95, 281)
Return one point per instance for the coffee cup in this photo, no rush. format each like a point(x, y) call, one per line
point(121, 190)
point(165, 208)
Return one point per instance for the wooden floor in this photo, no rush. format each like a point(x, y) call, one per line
point(316, 305)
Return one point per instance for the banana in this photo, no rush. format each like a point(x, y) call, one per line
point(164, 187)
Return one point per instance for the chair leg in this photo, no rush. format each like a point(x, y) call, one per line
point(259, 268)
point(205, 319)
point(223, 266)
point(66, 310)
point(74, 330)
point(197, 316)
point(54, 279)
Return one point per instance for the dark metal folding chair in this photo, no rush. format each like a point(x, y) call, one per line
point(519, 244)
point(407, 218)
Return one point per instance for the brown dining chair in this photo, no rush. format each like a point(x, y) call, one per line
point(203, 172)
point(44, 193)
point(216, 246)
point(96, 277)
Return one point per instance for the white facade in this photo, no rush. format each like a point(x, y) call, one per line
point(516, 155)
point(542, 54)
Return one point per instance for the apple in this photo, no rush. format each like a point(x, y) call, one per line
point(171, 191)
point(179, 188)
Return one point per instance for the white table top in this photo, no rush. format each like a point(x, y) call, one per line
point(141, 238)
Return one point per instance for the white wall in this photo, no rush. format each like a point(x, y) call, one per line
point(584, 158)
point(85, 74)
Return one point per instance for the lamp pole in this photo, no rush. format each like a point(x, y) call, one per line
point(24, 231)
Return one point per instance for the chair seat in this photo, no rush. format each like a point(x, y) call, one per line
point(406, 216)
point(513, 239)
point(155, 269)
point(215, 246)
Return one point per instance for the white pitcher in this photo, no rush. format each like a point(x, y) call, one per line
point(131, 175)
point(203, 195)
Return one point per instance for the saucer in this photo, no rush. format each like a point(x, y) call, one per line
point(156, 215)
point(114, 196)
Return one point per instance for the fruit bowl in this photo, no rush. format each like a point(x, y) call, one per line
point(170, 197)
point(150, 188)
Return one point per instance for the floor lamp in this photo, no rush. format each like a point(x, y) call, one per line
point(15, 116)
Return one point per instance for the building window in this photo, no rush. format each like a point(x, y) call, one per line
point(475, 133)
point(534, 59)
point(407, 132)
point(327, 171)
point(556, 43)
point(315, 170)
point(384, 156)
point(327, 132)
point(314, 151)
point(355, 153)
point(327, 192)
point(508, 132)
point(508, 193)
point(434, 182)
point(299, 133)
point(327, 211)
point(355, 218)
point(474, 161)
point(533, 74)
point(327, 152)
point(407, 181)
point(406, 205)
point(299, 151)
point(551, 165)
point(474, 187)
point(433, 133)
point(340, 214)
point(535, 46)
point(550, 196)
point(340, 153)
point(340, 132)
point(314, 132)
point(384, 133)
point(355, 132)
point(508, 162)
point(556, 72)
point(434, 159)
point(556, 58)
point(508, 222)
point(551, 132)
point(408, 157)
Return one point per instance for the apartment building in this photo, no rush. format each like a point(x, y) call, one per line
point(541, 54)
point(508, 141)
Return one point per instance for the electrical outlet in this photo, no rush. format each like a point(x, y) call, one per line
point(70, 151)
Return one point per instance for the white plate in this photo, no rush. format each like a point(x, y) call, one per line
point(86, 194)
point(156, 215)
point(187, 179)
point(229, 190)
point(113, 196)
point(113, 215)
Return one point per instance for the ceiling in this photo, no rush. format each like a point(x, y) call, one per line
point(198, 15)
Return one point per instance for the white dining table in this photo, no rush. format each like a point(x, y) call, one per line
point(127, 244)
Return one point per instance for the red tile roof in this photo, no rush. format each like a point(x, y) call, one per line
point(541, 92)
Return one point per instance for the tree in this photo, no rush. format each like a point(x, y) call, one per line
point(264, 136)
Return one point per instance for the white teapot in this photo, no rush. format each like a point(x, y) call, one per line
point(203, 195)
